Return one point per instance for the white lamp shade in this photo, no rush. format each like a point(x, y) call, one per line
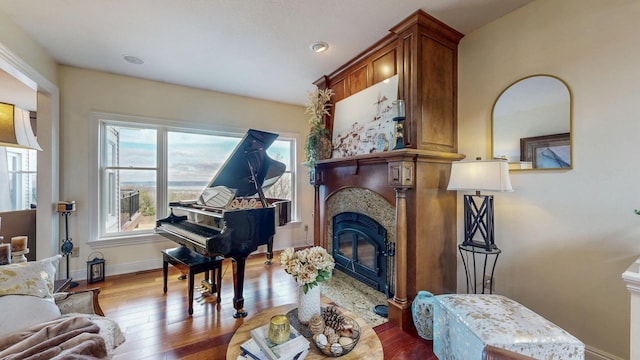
point(487, 175)
point(15, 128)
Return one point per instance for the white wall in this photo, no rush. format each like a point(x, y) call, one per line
point(84, 91)
point(566, 236)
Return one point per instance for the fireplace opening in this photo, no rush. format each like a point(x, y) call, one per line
point(361, 250)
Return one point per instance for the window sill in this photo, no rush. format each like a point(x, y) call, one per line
point(148, 238)
point(126, 240)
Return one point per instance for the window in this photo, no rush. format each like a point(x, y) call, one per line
point(21, 171)
point(145, 165)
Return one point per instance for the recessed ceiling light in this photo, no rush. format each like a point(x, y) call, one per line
point(133, 59)
point(319, 46)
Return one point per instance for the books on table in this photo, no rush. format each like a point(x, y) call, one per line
point(296, 347)
point(251, 351)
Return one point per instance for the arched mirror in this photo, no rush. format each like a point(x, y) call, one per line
point(531, 125)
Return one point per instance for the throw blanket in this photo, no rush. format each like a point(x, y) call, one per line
point(73, 337)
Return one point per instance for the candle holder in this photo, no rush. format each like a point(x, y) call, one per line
point(279, 329)
point(5, 254)
point(19, 243)
point(19, 256)
point(399, 127)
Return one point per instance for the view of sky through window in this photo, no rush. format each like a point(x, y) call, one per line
point(193, 159)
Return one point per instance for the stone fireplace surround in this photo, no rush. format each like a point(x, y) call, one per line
point(362, 201)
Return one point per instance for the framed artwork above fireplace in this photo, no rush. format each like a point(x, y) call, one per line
point(363, 122)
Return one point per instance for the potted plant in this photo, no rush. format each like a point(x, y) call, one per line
point(318, 145)
point(309, 267)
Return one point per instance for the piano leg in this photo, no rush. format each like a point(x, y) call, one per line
point(238, 285)
point(269, 251)
point(165, 271)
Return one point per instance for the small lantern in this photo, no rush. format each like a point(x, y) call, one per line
point(95, 269)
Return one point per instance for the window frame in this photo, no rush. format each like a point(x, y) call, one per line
point(98, 121)
point(22, 174)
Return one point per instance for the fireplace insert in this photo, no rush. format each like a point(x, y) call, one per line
point(361, 250)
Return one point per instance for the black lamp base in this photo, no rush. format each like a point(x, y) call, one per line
point(478, 221)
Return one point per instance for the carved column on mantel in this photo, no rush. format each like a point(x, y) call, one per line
point(401, 178)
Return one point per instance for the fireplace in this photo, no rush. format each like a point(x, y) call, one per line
point(404, 191)
point(361, 250)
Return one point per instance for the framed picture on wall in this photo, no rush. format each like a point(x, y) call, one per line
point(547, 151)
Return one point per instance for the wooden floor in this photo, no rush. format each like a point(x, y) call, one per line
point(157, 325)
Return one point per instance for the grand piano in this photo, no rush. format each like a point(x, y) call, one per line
point(232, 216)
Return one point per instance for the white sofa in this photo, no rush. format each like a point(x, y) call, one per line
point(37, 323)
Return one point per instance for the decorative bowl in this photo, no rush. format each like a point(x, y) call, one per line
point(347, 340)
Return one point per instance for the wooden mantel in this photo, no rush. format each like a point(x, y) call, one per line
point(414, 182)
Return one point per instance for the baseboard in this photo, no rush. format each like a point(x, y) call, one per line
point(145, 265)
point(592, 353)
point(122, 268)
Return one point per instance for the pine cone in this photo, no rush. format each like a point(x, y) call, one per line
point(333, 318)
point(316, 324)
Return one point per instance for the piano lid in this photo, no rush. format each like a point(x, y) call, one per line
point(250, 153)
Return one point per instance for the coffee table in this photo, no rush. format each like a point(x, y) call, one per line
point(368, 347)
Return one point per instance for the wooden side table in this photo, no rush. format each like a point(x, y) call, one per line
point(368, 347)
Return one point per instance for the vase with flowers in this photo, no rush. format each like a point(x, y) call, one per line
point(318, 144)
point(309, 268)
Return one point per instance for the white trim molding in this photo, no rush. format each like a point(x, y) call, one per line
point(632, 279)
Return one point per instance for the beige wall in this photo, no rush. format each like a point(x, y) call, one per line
point(21, 45)
point(29, 62)
point(84, 91)
point(566, 236)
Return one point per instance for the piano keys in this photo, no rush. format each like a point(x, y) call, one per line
point(248, 220)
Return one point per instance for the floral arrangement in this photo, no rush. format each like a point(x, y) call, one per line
point(309, 266)
point(318, 143)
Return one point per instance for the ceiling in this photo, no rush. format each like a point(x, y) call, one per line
point(254, 48)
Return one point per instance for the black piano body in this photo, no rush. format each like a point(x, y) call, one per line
point(235, 231)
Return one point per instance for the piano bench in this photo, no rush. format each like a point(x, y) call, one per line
point(185, 258)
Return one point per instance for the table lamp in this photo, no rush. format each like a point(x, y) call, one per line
point(479, 175)
point(15, 128)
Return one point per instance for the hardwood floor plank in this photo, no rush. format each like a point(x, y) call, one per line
point(157, 325)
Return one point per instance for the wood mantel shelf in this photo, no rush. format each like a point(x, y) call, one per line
point(392, 155)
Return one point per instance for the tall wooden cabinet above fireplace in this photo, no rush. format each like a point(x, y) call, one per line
point(422, 51)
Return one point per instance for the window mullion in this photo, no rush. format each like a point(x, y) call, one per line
point(162, 173)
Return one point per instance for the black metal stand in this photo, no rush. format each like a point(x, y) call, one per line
point(472, 280)
point(67, 245)
point(390, 253)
